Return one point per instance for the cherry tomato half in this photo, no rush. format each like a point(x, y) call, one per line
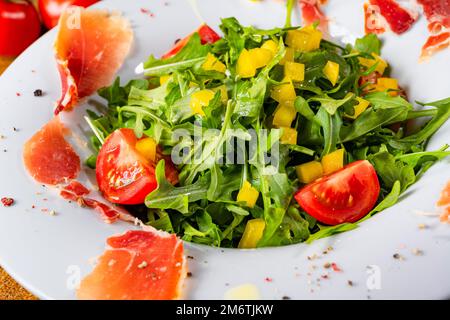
point(19, 26)
point(344, 196)
point(51, 9)
point(123, 175)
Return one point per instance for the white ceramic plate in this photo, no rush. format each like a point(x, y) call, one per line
point(47, 254)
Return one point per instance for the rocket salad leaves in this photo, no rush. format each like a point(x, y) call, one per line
point(203, 207)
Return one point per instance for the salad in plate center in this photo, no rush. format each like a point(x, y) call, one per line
point(261, 137)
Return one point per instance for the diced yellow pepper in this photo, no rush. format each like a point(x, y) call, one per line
point(201, 99)
point(305, 39)
point(294, 71)
point(284, 92)
point(288, 56)
point(270, 45)
point(213, 64)
point(331, 71)
point(388, 83)
point(164, 79)
point(261, 57)
point(284, 114)
point(359, 108)
point(310, 171)
point(289, 136)
point(248, 194)
point(333, 161)
point(253, 232)
point(368, 63)
point(223, 93)
point(245, 66)
point(147, 148)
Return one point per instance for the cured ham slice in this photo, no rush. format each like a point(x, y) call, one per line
point(312, 13)
point(437, 13)
point(380, 12)
point(48, 157)
point(74, 191)
point(137, 265)
point(90, 47)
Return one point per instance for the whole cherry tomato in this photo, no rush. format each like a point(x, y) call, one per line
point(19, 26)
point(52, 9)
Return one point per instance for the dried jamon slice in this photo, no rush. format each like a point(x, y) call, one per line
point(437, 13)
point(137, 265)
point(312, 13)
point(48, 157)
point(74, 191)
point(398, 18)
point(90, 47)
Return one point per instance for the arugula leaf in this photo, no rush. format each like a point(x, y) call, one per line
point(166, 196)
point(369, 44)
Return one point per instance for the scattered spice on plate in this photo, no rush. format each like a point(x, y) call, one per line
point(7, 202)
point(267, 279)
point(335, 267)
point(15, 129)
point(189, 274)
point(423, 226)
point(417, 252)
point(190, 257)
point(5, 150)
point(37, 93)
point(147, 12)
point(18, 94)
point(286, 298)
point(397, 256)
point(2, 137)
point(52, 213)
point(350, 283)
point(327, 265)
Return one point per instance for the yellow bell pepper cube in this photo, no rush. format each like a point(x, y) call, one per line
point(199, 100)
point(305, 39)
point(253, 232)
point(213, 64)
point(284, 114)
point(331, 71)
point(333, 161)
point(294, 71)
point(245, 66)
point(289, 136)
point(368, 63)
point(164, 79)
point(248, 194)
point(288, 56)
point(261, 57)
point(284, 92)
point(384, 84)
point(147, 148)
point(310, 171)
point(223, 93)
point(270, 45)
point(359, 108)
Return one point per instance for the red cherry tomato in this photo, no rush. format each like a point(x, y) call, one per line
point(207, 35)
point(344, 196)
point(19, 26)
point(123, 175)
point(52, 9)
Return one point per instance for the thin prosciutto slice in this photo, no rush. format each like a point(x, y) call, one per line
point(312, 13)
point(137, 265)
point(437, 13)
point(381, 14)
point(48, 157)
point(90, 47)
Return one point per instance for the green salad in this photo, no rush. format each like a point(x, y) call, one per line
point(262, 137)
